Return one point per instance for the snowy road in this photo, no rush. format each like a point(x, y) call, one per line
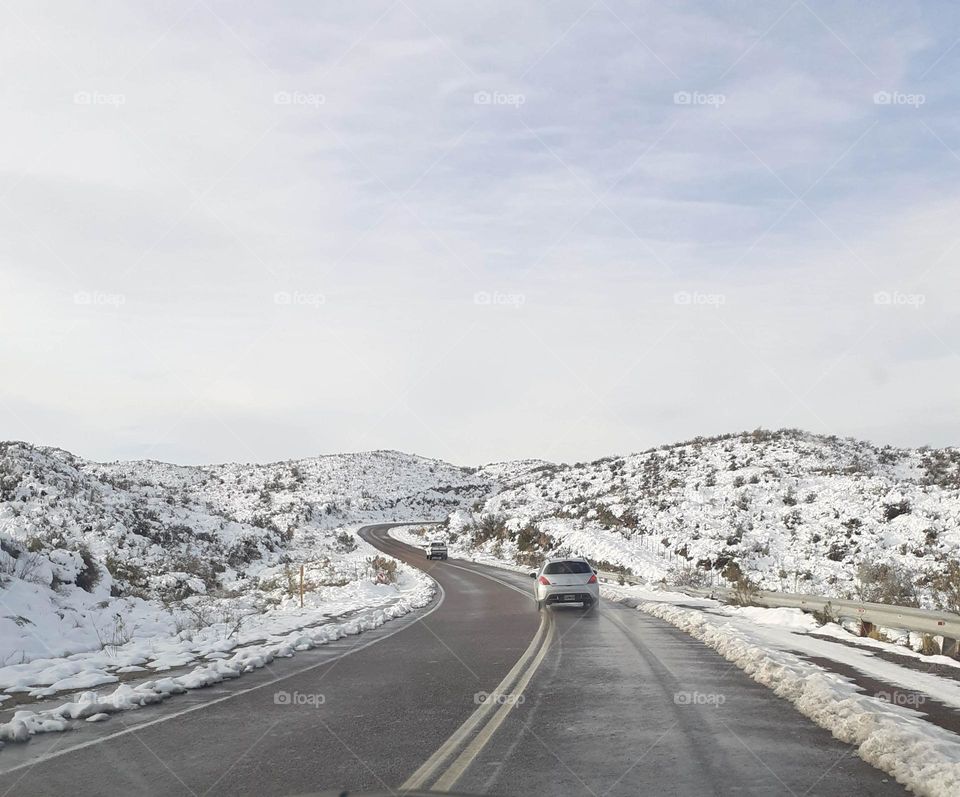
point(613, 703)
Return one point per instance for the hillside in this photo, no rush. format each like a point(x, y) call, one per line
point(93, 552)
point(789, 510)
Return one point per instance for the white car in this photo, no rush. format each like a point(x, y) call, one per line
point(437, 550)
point(567, 580)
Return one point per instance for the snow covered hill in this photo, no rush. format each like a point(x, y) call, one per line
point(96, 555)
point(787, 510)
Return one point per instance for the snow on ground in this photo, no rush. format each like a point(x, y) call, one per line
point(226, 658)
point(893, 738)
point(790, 629)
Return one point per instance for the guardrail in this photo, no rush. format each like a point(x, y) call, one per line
point(921, 621)
point(607, 575)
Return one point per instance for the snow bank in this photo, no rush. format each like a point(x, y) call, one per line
point(94, 707)
point(919, 755)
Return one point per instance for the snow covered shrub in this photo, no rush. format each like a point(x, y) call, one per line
point(128, 578)
point(491, 527)
point(89, 575)
point(532, 544)
point(345, 542)
point(942, 468)
point(688, 576)
point(895, 509)
point(385, 569)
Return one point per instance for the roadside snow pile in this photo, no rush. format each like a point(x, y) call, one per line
point(795, 631)
point(919, 755)
point(789, 510)
point(417, 591)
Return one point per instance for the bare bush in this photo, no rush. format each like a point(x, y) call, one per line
point(688, 576)
point(115, 635)
point(946, 587)
point(385, 569)
point(885, 583)
point(824, 616)
point(490, 527)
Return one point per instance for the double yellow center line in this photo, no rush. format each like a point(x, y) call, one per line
point(471, 737)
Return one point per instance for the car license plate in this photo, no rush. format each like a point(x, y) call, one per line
point(568, 597)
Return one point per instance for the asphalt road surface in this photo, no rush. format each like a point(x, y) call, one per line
point(478, 693)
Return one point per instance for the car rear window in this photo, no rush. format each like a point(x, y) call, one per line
point(438, 545)
point(567, 568)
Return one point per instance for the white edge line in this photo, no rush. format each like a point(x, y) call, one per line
point(206, 704)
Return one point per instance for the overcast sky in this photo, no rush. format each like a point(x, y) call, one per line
point(475, 231)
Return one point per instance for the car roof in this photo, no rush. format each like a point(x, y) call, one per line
point(565, 559)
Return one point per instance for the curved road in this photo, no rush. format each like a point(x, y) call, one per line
point(609, 703)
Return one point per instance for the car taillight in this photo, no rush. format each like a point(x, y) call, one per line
point(543, 580)
point(593, 579)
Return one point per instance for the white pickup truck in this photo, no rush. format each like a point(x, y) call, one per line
point(437, 550)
